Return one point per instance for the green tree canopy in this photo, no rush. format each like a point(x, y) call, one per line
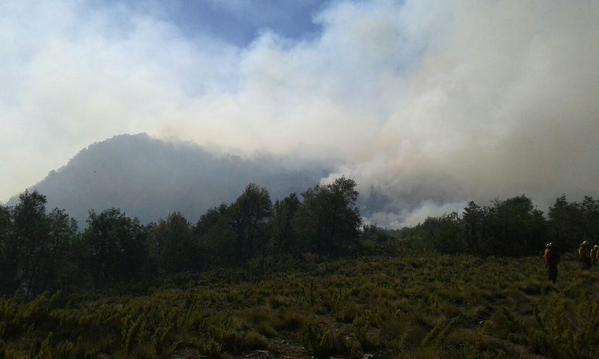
point(34, 245)
point(513, 227)
point(115, 247)
point(250, 215)
point(283, 233)
point(174, 245)
point(328, 220)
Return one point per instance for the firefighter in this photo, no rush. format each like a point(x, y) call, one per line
point(584, 254)
point(594, 254)
point(551, 257)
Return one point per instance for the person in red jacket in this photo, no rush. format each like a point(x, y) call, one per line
point(551, 257)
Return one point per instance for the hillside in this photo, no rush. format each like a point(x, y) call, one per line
point(417, 305)
point(149, 178)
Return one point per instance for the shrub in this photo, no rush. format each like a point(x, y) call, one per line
point(323, 344)
point(253, 340)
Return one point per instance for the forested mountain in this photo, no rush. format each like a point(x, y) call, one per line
point(149, 178)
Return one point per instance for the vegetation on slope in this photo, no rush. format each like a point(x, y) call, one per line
point(295, 278)
point(419, 304)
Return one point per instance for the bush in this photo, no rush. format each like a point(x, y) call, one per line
point(254, 340)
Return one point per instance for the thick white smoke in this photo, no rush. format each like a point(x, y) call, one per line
point(430, 102)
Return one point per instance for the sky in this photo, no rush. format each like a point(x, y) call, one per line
point(431, 102)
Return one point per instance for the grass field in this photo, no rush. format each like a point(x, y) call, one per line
point(417, 305)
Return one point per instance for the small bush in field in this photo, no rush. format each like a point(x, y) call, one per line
point(253, 340)
point(278, 301)
point(289, 320)
point(347, 313)
point(323, 344)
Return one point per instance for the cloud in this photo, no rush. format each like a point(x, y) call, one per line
point(75, 77)
point(427, 101)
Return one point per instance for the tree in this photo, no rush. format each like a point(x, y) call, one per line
point(214, 234)
point(34, 246)
point(445, 233)
point(590, 216)
point(566, 223)
point(57, 264)
point(175, 247)
point(8, 253)
point(115, 247)
point(283, 236)
point(514, 227)
point(473, 218)
point(30, 230)
point(328, 220)
point(249, 219)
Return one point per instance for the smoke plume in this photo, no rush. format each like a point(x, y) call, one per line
point(430, 103)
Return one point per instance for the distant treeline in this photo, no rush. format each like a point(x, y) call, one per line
point(41, 250)
point(511, 227)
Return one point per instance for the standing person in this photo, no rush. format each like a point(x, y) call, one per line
point(594, 253)
point(584, 254)
point(551, 257)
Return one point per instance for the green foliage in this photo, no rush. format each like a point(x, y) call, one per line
point(572, 222)
point(172, 245)
point(115, 247)
point(253, 340)
point(283, 233)
point(216, 236)
point(566, 329)
point(328, 220)
point(34, 246)
point(473, 218)
point(414, 305)
point(237, 233)
point(8, 252)
point(250, 215)
point(444, 233)
point(512, 227)
point(324, 344)
point(43, 251)
point(268, 282)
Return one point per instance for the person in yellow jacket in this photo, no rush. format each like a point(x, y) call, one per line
point(584, 254)
point(595, 254)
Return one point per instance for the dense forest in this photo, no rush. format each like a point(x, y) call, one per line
point(44, 250)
